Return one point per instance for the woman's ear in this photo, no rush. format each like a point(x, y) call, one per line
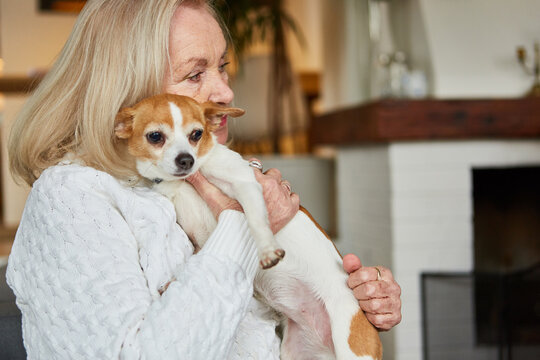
point(213, 112)
point(123, 123)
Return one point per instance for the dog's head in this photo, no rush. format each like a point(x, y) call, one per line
point(170, 135)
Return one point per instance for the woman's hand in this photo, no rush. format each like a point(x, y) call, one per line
point(376, 290)
point(282, 204)
point(216, 200)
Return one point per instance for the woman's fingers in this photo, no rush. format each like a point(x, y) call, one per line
point(282, 204)
point(216, 200)
point(365, 274)
point(384, 322)
point(351, 263)
point(376, 290)
point(378, 294)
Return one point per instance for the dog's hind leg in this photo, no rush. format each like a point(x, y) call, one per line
point(313, 259)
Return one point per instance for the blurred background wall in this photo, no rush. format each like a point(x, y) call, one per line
point(407, 204)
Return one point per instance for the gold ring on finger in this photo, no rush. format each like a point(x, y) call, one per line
point(287, 185)
point(379, 276)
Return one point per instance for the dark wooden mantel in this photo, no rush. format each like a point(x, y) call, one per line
point(402, 120)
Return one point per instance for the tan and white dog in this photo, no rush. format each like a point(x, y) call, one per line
point(171, 137)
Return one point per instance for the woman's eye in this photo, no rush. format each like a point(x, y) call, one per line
point(196, 77)
point(196, 135)
point(155, 137)
point(223, 66)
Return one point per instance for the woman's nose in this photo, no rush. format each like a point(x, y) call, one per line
point(220, 91)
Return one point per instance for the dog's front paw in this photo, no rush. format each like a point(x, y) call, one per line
point(271, 258)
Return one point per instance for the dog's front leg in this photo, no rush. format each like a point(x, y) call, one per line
point(232, 174)
point(249, 195)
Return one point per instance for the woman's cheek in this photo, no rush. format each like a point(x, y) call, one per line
point(183, 89)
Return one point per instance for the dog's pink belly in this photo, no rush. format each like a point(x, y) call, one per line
point(308, 325)
point(299, 346)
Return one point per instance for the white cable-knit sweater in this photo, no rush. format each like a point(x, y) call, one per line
point(91, 256)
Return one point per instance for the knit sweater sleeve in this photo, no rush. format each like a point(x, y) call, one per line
point(76, 270)
point(198, 315)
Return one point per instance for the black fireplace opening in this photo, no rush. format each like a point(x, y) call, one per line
point(506, 218)
point(492, 312)
point(507, 256)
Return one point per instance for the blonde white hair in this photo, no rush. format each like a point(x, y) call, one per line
point(116, 55)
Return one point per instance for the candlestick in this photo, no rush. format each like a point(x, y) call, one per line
point(531, 67)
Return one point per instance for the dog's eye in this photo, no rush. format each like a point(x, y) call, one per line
point(155, 137)
point(196, 135)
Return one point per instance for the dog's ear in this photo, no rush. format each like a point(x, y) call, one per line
point(213, 112)
point(123, 124)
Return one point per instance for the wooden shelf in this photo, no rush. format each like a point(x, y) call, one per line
point(19, 84)
point(402, 120)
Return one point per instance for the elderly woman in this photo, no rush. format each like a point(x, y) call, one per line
point(99, 266)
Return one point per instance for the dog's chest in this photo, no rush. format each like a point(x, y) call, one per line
point(192, 213)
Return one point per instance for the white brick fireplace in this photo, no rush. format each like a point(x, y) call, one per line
point(408, 205)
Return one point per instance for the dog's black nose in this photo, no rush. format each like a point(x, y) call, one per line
point(184, 161)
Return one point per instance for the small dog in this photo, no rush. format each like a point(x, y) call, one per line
point(170, 137)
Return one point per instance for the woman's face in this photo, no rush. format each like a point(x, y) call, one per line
point(198, 52)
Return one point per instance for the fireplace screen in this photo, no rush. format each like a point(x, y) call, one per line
point(507, 327)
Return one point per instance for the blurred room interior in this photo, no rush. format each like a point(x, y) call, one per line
point(409, 128)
